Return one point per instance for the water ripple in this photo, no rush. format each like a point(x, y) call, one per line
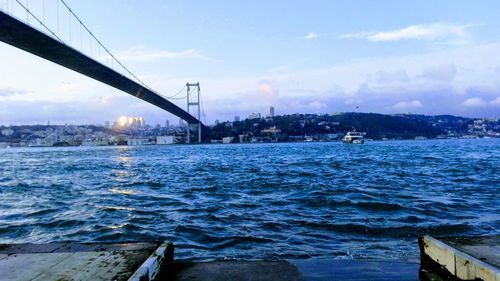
point(254, 201)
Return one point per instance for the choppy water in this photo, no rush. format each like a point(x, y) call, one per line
point(255, 201)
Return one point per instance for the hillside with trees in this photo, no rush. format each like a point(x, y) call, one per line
point(376, 126)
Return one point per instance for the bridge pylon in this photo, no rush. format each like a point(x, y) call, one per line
point(193, 100)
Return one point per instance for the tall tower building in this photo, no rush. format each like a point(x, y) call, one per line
point(271, 112)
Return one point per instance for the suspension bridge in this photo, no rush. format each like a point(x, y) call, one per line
point(57, 34)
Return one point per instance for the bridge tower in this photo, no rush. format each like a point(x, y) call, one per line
point(193, 102)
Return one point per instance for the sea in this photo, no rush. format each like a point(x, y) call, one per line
point(255, 201)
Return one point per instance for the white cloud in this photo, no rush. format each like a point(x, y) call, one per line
point(302, 105)
point(414, 32)
point(317, 105)
point(352, 101)
point(445, 72)
point(474, 102)
point(8, 91)
point(388, 77)
point(266, 88)
point(433, 83)
point(311, 35)
point(495, 101)
point(408, 104)
point(145, 54)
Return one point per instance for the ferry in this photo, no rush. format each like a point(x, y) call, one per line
point(354, 138)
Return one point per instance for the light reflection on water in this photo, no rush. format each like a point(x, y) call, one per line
point(117, 208)
point(123, 191)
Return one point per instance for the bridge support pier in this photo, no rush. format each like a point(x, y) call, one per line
point(189, 126)
point(199, 132)
point(196, 103)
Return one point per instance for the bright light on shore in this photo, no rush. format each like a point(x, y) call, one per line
point(122, 121)
point(126, 121)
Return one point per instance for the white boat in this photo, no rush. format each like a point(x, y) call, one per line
point(354, 138)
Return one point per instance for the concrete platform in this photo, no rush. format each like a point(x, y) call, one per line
point(311, 270)
point(473, 258)
point(154, 261)
point(75, 261)
point(357, 270)
point(460, 258)
point(236, 270)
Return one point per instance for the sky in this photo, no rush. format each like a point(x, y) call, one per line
point(422, 57)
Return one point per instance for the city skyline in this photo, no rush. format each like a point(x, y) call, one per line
point(389, 57)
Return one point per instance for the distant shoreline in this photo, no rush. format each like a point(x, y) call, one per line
point(247, 143)
point(284, 128)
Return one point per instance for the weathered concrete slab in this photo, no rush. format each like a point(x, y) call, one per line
point(237, 270)
point(74, 261)
point(74, 247)
point(322, 269)
point(310, 270)
point(471, 258)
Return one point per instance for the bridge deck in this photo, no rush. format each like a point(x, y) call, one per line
point(25, 37)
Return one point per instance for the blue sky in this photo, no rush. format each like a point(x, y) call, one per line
point(426, 57)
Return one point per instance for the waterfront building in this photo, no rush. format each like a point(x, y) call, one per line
point(254, 116)
point(227, 140)
point(271, 130)
point(138, 141)
point(7, 132)
point(88, 142)
point(161, 140)
point(244, 138)
point(331, 136)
